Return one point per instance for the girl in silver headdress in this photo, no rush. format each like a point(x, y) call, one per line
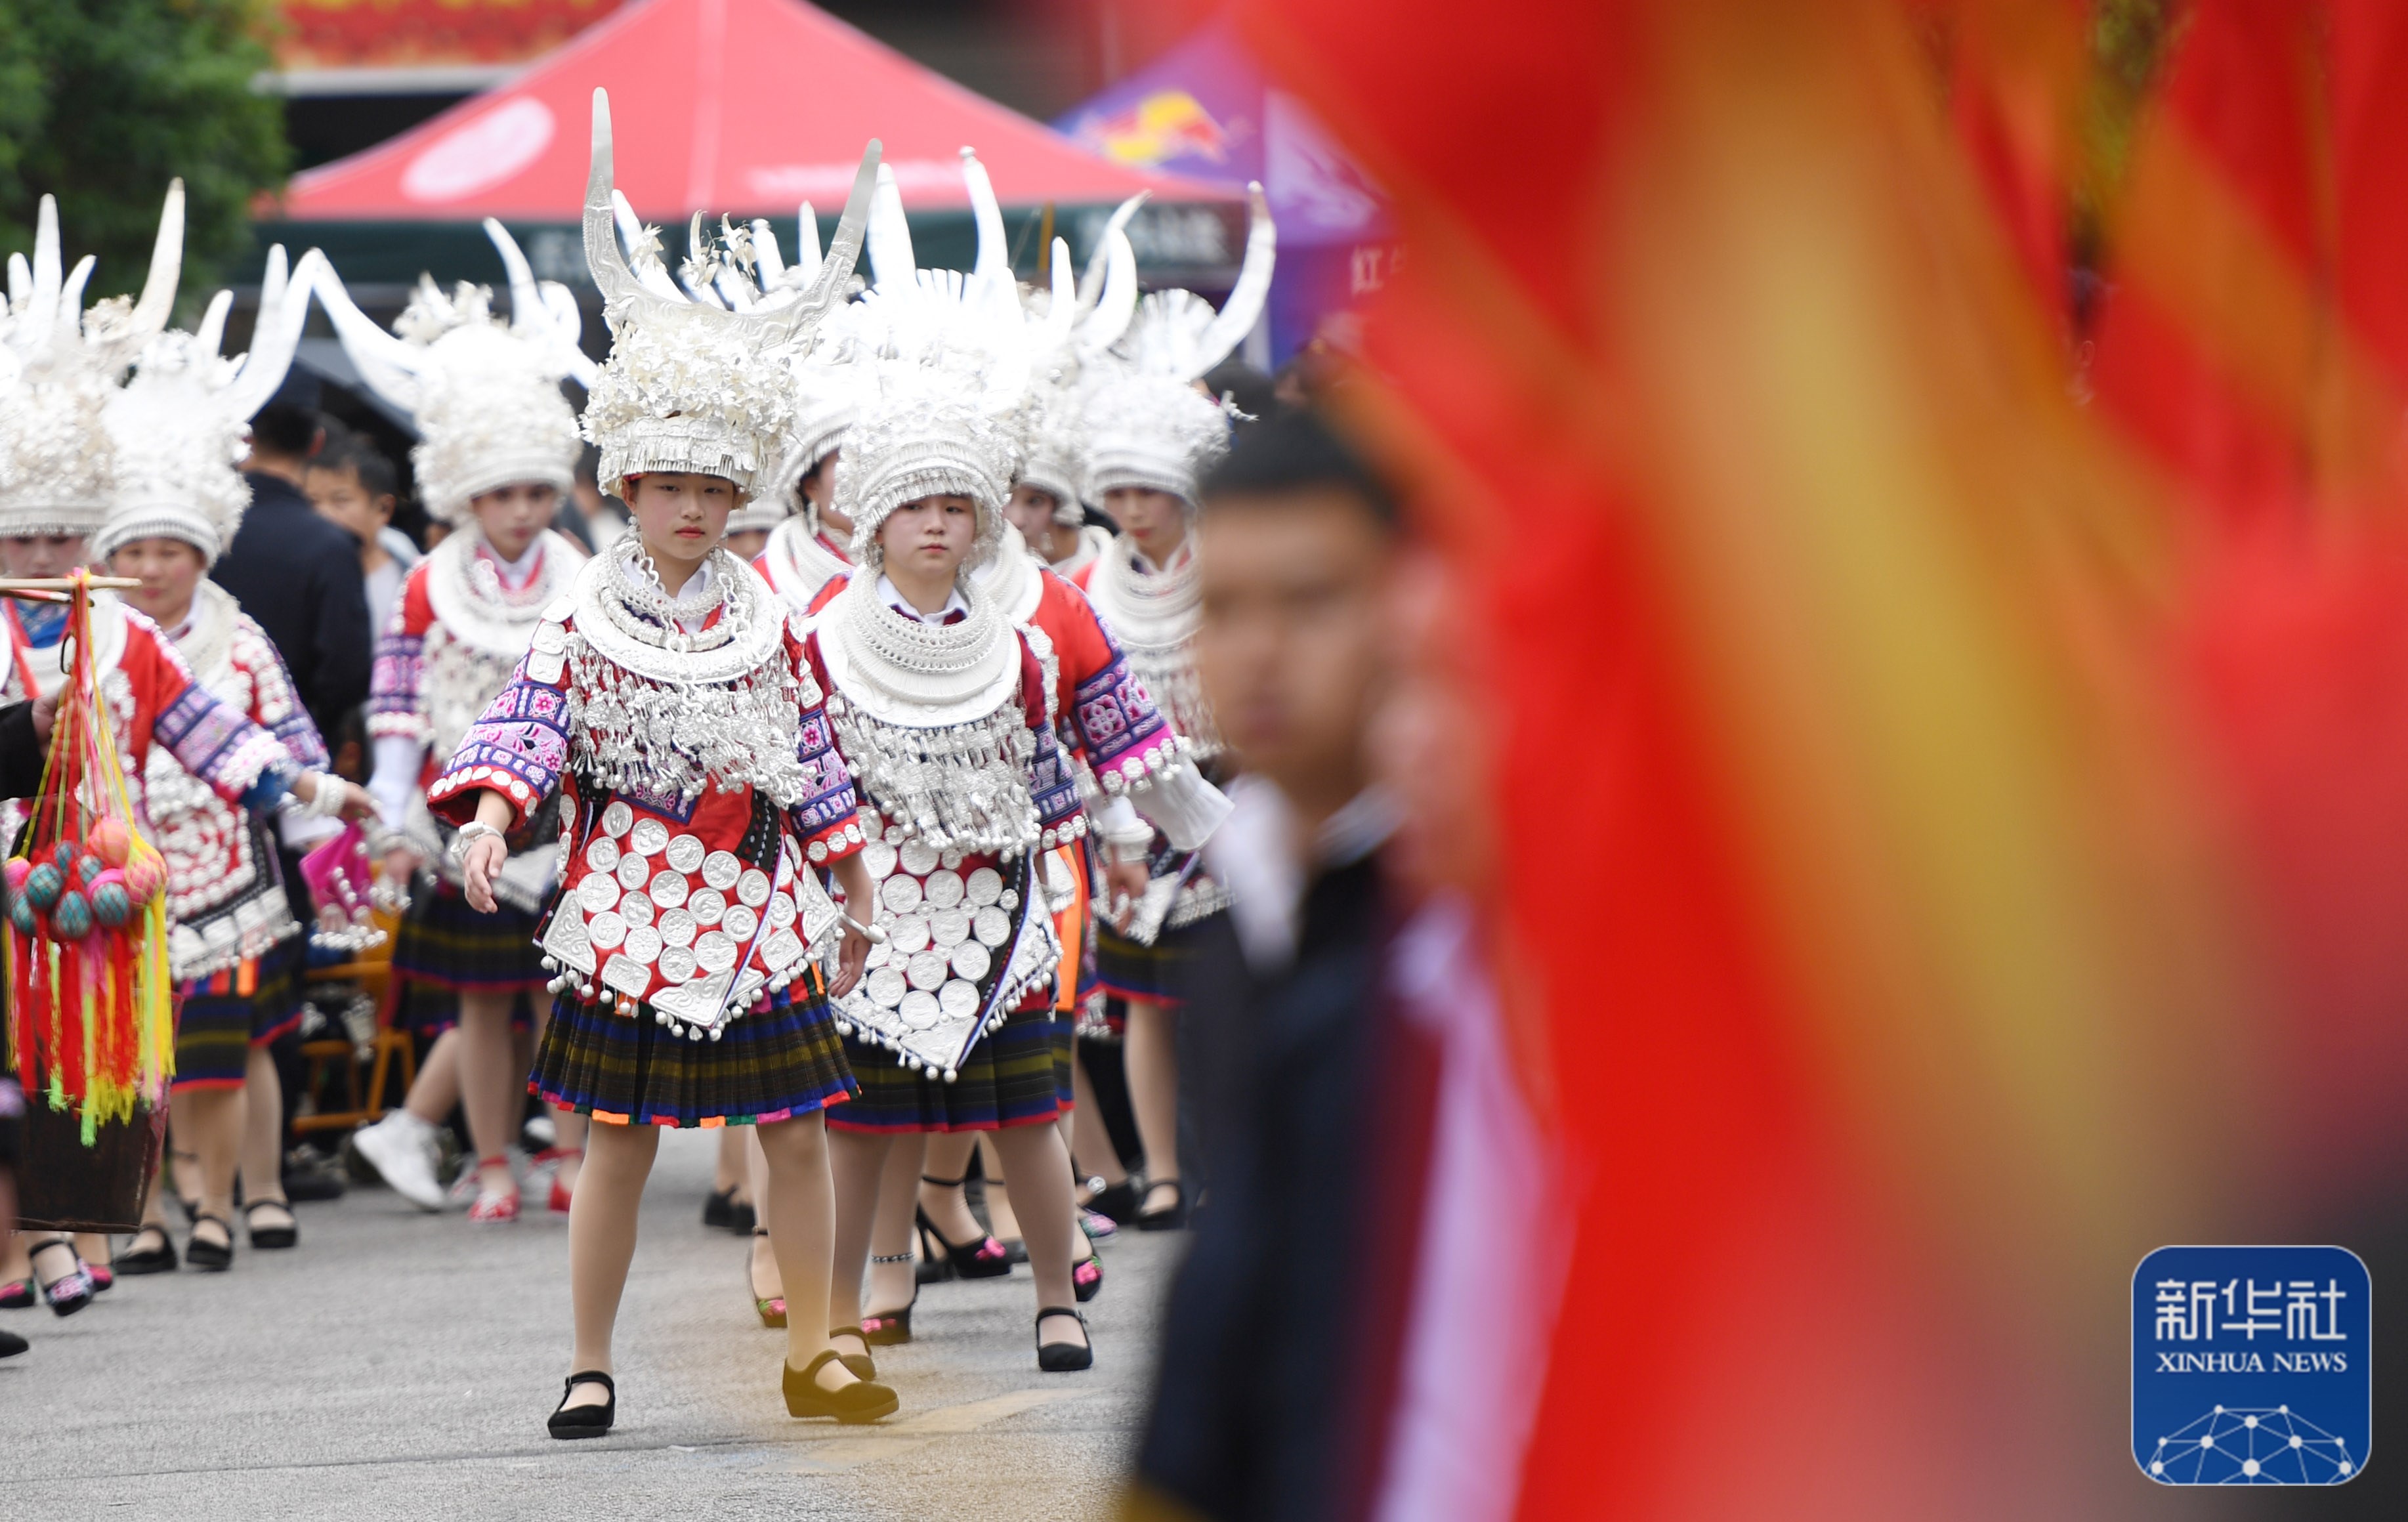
point(1150, 435)
point(497, 447)
point(665, 698)
point(939, 707)
point(207, 725)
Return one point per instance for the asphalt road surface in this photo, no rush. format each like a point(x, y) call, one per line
point(400, 1364)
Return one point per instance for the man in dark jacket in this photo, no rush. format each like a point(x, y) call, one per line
point(299, 574)
point(1277, 1346)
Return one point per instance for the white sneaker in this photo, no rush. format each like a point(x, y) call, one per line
point(401, 1148)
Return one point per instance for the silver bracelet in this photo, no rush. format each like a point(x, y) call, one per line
point(474, 829)
point(325, 797)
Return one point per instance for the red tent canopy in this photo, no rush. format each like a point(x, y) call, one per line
point(739, 105)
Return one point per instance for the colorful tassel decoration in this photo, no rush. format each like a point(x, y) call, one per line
point(91, 1024)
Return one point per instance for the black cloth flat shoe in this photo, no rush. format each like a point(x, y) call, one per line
point(215, 1257)
point(11, 1344)
point(159, 1260)
point(1171, 1217)
point(1120, 1202)
point(861, 1402)
point(69, 1292)
point(860, 1364)
point(1063, 1358)
point(313, 1180)
point(285, 1235)
point(567, 1421)
point(18, 1295)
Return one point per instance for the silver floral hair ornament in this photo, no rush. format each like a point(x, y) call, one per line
point(691, 384)
point(486, 394)
point(180, 427)
point(59, 365)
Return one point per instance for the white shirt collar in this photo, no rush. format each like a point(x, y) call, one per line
point(1256, 853)
point(892, 598)
point(514, 573)
point(693, 595)
point(1178, 557)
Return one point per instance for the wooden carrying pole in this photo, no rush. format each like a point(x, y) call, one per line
point(58, 588)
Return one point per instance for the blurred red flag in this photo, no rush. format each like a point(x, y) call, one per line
point(2014, 73)
point(2254, 345)
point(1574, 188)
point(1868, 725)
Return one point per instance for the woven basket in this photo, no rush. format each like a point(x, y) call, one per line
point(64, 1185)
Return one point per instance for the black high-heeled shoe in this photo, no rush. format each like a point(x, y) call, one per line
point(567, 1421)
point(69, 1292)
point(215, 1257)
point(888, 1328)
point(861, 1364)
point(860, 1402)
point(159, 1260)
point(1064, 1357)
point(981, 1259)
point(1171, 1217)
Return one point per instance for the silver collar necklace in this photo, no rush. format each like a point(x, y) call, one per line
point(905, 672)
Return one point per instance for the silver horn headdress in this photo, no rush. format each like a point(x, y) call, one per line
point(180, 426)
point(690, 384)
point(486, 394)
point(59, 364)
point(1147, 425)
point(943, 361)
point(1070, 328)
point(822, 373)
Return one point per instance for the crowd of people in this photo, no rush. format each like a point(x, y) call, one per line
point(806, 739)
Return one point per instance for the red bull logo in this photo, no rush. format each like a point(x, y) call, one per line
point(1165, 125)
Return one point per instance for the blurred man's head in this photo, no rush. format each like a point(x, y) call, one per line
point(1296, 545)
point(355, 486)
point(283, 438)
